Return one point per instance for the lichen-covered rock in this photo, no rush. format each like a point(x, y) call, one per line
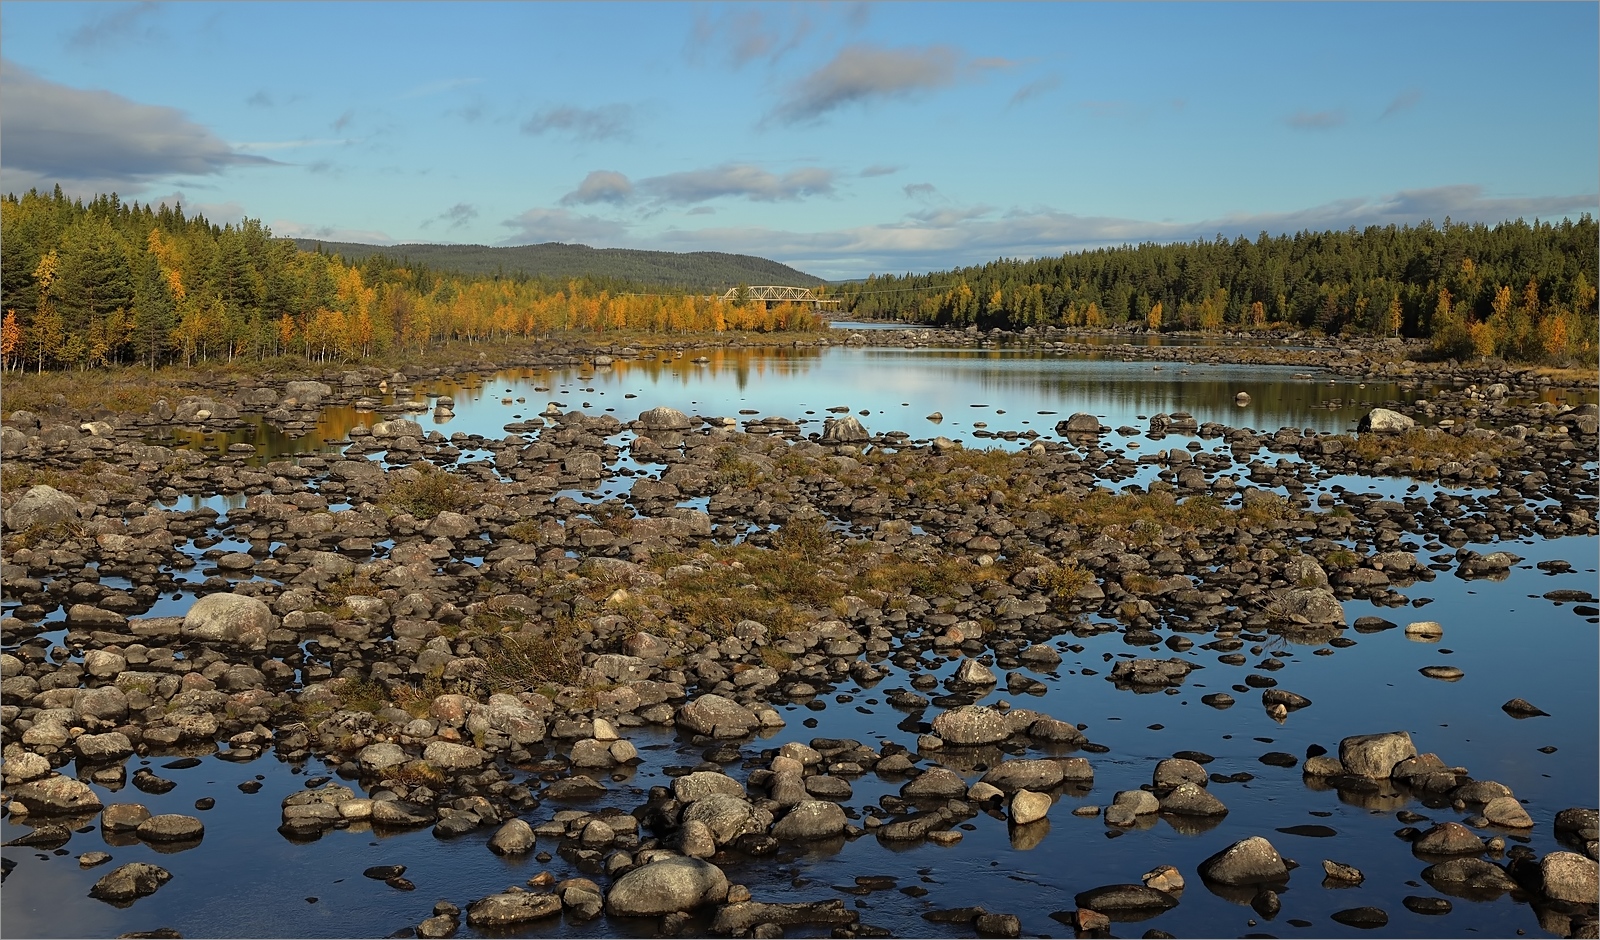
point(1375, 755)
point(229, 618)
point(667, 886)
point(972, 725)
point(1249, 861)
point(717, 717)
point(130, 881)
point(41, 506)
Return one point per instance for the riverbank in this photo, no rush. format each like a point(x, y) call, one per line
point(478, 643)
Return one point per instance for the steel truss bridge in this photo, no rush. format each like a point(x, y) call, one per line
point(768, 293)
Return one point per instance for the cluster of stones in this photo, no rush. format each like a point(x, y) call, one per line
point(262, 661)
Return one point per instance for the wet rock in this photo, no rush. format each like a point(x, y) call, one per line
point(577, 787)
point(1506, 812)
point(729, 817)
point(1013, 775)
point(515, 837)
point(1522, 708)
point(1568, 876)
point(171, 827)
point(1341, 874)
point(1249, 861)
point(935, 783)
point(1363, 918)
point(809, 820)
point(1468, 874)
point(1028, 806)
point(1448, 838)
point(1374, 755)
point(1175, 770)
point(102, 748)
point(1446, 673)
point(971, 725)
point(972, 672)
point(718, 717)
point(1301, 605)
point(130, 881)
point(510, 909)
point(57, 795)
point(93, 859)
point(667, 886)
point(229, 618)
point(1112, 899)
point(704, 783)
point(1428, 630)
point(998, 925)
point(1150, 673)
point(1189, 799)
point(1128, 805)
point(1431, 906)
point(741, 917)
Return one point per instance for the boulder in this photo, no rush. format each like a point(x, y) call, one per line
point(1079, 423)
point(516, 837)
point(307, 392)
point(664, 419)
point(57, 795)
point(1028, 806)
point(1188, 799)
point(1246, 862)
point(1302, 605)
point(498, 911)
point(171, 827)
point(397, 427)
point(972, 725)
point(703, 783)
point(1128, 897)
point(1374, 755)
point(667, 886)
point(229, 618)
point(1384, 421)
point(1032, 774)
point(717, 717)
point(1569, 876)
point(453, 757)
point(811, 819)
point(130, 881)
point(41, 506)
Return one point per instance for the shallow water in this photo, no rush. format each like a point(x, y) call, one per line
point(244, 879)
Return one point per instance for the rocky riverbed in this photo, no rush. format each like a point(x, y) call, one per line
point(502, 639)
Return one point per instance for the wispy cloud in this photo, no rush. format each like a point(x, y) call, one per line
point(745, 34)
point(343, 121)
point(880, 169)
point(1035, 89)
point(919, 190)
point(293, 144)
point(739, 180)
point(1315, 120)
point(537, 226)
point(863, 73)
point(454, 217)
point(600, 186)
point(608, 122)
point(288, 228)
point(123, 22)
point(1402, 102)
point(946, 237)
point(261, 99)
point(55, 133)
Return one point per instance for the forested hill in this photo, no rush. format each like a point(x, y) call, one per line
point(697, 270)
point(1523, 291)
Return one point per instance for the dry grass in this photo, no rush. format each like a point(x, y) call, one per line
point(429, 493)
point(516, 662)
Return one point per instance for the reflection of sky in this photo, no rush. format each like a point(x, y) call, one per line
point(899, 388)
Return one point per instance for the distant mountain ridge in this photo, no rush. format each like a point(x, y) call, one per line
point(695, 270)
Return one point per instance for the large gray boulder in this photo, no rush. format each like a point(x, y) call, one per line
point(1129, 897)
point(1385, 421)
point(307, 392)
point(846, 430)
point(397, 427)
point(1569, 876)
point(41, 506)
point(1374, 755)
point(664, 419)
point(717, 717)
point(1028, 774)
point(516, 837)
point(728, 817)
point(667, 886)
point(703, 783)
point(1080, 423)
point(197, 408)
point(57, 795)
point(1246, 862)
point(972, 725)
point(229, 618)
point(811, 819)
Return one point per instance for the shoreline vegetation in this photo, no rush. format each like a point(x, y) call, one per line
point(105, 283)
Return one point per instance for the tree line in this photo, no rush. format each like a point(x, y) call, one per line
point(107, 282)
point(1524, 292)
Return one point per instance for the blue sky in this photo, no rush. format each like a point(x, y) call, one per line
point(843, 139)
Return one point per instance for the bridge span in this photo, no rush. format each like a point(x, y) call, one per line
point(769, 293)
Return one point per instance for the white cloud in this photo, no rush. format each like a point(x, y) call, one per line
point(536, 226)
point(862, 73)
